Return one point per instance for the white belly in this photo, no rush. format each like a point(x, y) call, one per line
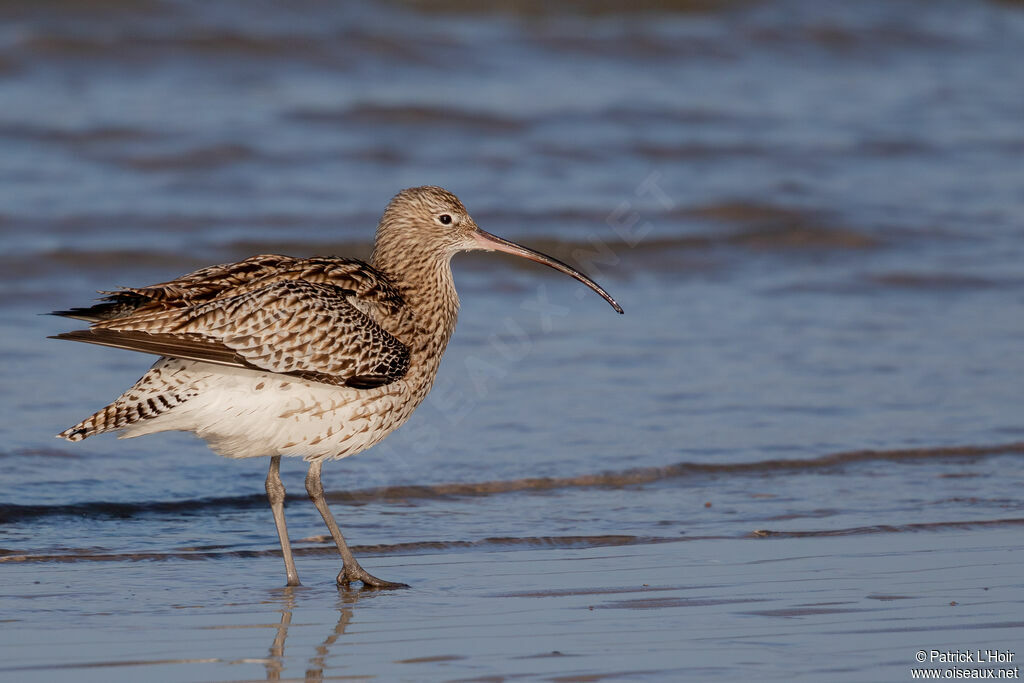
point(245, 413)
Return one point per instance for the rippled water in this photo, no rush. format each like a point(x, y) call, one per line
point(796, 457)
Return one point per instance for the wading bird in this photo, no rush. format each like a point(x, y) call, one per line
point(319, 358)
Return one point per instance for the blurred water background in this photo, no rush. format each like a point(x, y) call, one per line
point(796, 457)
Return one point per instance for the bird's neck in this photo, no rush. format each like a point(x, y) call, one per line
point(426, 283)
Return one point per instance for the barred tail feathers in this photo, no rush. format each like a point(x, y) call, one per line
point(158, 391)
point(105, 420)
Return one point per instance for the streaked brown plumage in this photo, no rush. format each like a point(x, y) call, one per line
point(313, 357)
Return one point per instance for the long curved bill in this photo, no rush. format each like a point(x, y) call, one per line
point(489, 242)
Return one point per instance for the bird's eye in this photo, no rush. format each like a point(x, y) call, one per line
point(445, 219)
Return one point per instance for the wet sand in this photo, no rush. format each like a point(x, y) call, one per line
point(855, 607)
point(753, 581)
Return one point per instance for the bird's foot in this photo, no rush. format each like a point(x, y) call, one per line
point(356, 573)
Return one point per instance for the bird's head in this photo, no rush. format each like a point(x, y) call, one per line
point(426, 223)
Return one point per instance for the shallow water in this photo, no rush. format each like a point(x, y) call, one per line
point(796, 457)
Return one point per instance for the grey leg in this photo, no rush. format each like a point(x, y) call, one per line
point(350, 570)
point(275, 494)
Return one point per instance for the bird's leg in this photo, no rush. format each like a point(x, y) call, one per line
point(275, 494)
point(350, 570)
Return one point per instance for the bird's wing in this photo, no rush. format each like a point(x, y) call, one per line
point(287, 326)
point(370, 287)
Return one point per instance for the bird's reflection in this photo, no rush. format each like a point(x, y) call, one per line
point(275, 661)
point(315, 670)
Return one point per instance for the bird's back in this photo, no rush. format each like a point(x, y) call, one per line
point(363, 281)
point(270, 355)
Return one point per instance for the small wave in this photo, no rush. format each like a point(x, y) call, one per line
point(120, 261)
point(76, 137)
point(766, 226)
point(10, 512)
point(191, 223)
point(64, 8)
point(695, 151)
point(750, 226)
point(40, 452)
point(540, 8)
point(62, 261)
point(888, 149)
point(117, 46)
point(890, 528)
point(325, 546)
point(842, 39)
point(646, 116)
point(802, 237)
point(604, 590)
point(412, 115)
point(747, 212)
point(938, 281)
point(199, 158)
point(790, 612)
point(648, 475)
point(668, 602)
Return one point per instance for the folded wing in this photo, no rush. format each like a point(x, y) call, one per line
point(262, 315)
